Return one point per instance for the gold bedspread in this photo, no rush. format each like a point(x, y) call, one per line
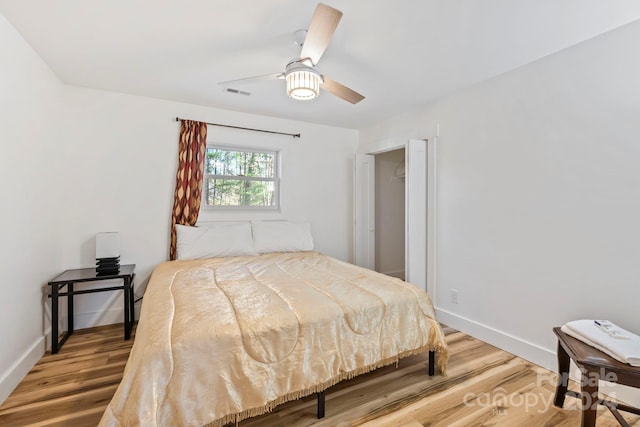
point(223, 339)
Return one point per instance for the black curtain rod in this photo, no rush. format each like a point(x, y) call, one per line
point(295, 135)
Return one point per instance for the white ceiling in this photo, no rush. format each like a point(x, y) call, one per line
point(399, 54)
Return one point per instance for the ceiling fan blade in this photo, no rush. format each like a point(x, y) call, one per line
point(341, 91)
point(323, 24)
point(254, 78)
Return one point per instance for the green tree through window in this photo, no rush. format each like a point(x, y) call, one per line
point(241, 178)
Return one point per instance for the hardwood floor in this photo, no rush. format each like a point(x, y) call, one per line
point(484, 387)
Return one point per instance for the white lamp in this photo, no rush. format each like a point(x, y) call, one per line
point(303, 82)
point(107, 245)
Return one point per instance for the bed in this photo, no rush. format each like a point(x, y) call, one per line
point(226, 338)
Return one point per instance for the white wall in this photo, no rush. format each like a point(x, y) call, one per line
point(29, 181)
point(390, 214)
point(126, 150)
point(77, 161)
point(538, 195)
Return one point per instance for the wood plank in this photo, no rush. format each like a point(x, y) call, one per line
point(484, 386)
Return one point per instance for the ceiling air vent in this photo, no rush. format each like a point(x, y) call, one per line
point(237, 92)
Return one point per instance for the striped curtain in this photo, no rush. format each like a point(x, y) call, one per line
point(186, 202)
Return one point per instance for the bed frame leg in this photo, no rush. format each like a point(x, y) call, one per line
point(320, 396)
point(432, 363)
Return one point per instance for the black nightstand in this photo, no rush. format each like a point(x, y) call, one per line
point(69, 278)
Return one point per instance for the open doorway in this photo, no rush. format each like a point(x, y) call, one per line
point(390, 213)
point(419, 199)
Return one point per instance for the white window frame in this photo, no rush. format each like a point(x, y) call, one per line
point(275, 179)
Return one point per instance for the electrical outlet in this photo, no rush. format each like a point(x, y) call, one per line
point(453, 296)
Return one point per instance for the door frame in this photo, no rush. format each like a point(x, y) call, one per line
point(364, 211)
point(415, 217)
point(431, 230)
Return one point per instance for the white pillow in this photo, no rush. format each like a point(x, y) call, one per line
point(214, 241)
point(281, 236)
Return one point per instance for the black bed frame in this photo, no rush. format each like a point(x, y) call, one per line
point(320, 395)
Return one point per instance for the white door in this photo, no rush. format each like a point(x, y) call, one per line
point(416, 213)
point(364, 232)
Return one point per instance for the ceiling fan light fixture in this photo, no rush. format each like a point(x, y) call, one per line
point(302, 80)
point(303, 83)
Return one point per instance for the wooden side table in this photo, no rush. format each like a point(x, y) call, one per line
point(71, 277)
point(594, 365)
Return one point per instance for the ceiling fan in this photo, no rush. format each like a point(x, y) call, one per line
point(302, 79)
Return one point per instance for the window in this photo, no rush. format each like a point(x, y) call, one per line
point(241, 178)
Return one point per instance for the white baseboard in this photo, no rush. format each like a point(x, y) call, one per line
point(533, 353)
point(16, 372)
